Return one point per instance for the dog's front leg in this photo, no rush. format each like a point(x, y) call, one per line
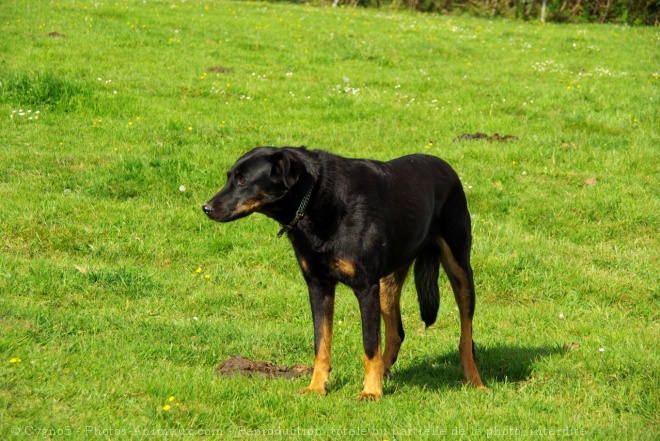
point(322, 298)
point(372, 388)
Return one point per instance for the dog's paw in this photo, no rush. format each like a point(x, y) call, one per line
point(479, 386)
point(370, 396)
point(484, 389)
point(319, 390)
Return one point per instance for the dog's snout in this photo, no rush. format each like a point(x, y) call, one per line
point(207, 209)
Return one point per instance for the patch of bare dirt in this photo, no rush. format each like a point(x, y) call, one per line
point(241, 366)
point(478, 135)
point(220, 69)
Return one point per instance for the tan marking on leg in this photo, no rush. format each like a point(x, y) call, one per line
point(390, 309)
point(467, 359)
point(460, 284)
point(372, 389)
point(344, 266)
point(321, 375)
point(450, 265)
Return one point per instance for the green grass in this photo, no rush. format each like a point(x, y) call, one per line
point(101, 299)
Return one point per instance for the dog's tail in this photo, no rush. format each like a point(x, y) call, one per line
point(427, 269)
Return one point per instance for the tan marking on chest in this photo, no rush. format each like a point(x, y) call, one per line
point(345, 267)
point(304, 265)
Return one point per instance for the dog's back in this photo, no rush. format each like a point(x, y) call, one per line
point(404, 200)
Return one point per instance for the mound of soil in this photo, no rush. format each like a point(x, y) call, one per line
point(241, 366)
point(220, 69)
point(479, 135)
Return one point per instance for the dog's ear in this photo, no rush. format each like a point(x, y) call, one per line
point(286, 169)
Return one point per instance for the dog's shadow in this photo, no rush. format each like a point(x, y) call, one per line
point(496, 364)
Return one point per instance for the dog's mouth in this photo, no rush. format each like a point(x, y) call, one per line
point(224, 215)
point(218, 214)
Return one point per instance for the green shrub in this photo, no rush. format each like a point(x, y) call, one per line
point(637, 12)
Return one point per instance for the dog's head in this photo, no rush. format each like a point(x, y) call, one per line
point(258, 179)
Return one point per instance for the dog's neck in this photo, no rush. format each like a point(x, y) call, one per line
point(290, 210)
point(300, 212)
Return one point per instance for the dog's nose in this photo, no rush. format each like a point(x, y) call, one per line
point(207, 209)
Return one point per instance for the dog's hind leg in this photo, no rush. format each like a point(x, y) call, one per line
point(390, 309)
point(322, 298)
point(456, 262)
point(369, 299)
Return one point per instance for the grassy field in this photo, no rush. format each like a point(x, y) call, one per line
point(118, 297)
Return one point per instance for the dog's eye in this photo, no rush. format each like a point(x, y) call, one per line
point(240, 180)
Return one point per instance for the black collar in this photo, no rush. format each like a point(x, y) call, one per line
point(299, 214)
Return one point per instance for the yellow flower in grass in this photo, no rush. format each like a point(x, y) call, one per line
point(15, 360)
point(167, 406)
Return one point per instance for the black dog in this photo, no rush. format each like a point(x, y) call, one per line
point(362, 223)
